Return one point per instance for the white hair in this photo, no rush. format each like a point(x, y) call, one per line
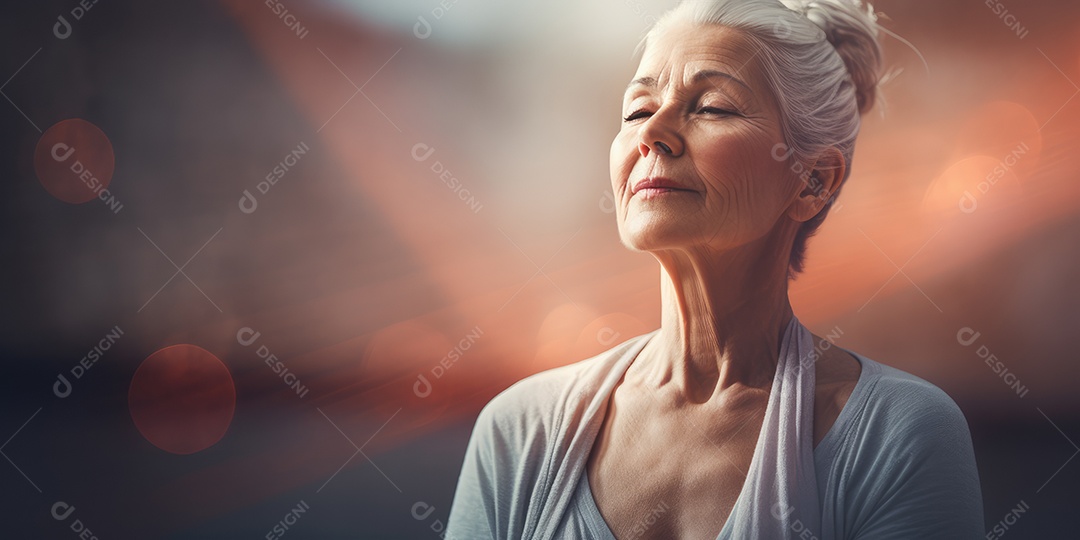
point(823, 61)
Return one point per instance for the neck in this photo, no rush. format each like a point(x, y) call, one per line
point(723, 318)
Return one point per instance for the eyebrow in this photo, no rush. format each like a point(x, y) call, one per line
point(698, 77)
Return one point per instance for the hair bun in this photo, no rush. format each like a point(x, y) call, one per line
point(853, 32)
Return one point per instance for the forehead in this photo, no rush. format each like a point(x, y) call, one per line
point(679, 49)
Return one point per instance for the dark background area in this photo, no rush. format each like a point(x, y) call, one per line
point(361, 269)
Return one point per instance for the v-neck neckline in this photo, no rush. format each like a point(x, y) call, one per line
point(584, 487)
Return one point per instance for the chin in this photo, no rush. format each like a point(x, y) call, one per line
point(650, 233)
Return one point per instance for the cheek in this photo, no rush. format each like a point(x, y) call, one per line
point(740, 170)
point(621, 160)
point(727, 163)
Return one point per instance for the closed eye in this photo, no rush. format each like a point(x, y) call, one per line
point(717, 111)
point(640, 113)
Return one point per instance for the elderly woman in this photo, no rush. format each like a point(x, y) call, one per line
point(731, 420)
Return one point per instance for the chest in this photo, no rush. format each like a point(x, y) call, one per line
point(660, 473)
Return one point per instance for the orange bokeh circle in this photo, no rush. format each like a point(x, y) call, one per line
point(972, 183)
point(1006, 131)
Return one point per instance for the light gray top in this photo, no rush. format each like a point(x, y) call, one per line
point(897, 463)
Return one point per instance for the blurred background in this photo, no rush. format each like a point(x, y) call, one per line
point(333, 230)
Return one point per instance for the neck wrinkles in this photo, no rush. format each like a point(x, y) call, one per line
point(722, 321)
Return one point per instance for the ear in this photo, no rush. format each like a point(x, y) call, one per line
point(817, 185)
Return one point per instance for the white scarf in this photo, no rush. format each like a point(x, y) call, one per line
point(779, 499)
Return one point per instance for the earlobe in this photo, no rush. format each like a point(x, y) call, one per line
point(810, 200)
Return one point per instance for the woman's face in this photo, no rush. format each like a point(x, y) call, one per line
point(699, 114)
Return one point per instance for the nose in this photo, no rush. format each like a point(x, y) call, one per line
point(658, 146)
point(657, 135)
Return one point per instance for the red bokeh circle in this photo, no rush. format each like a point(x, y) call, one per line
point(74, 160)
point(182, 399)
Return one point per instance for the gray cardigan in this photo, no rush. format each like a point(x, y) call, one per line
point(897, 464)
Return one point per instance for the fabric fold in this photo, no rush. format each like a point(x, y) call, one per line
point(780, 497)
point(583, 404)
point(897, 463)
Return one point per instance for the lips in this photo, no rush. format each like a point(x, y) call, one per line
point(659, 183)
